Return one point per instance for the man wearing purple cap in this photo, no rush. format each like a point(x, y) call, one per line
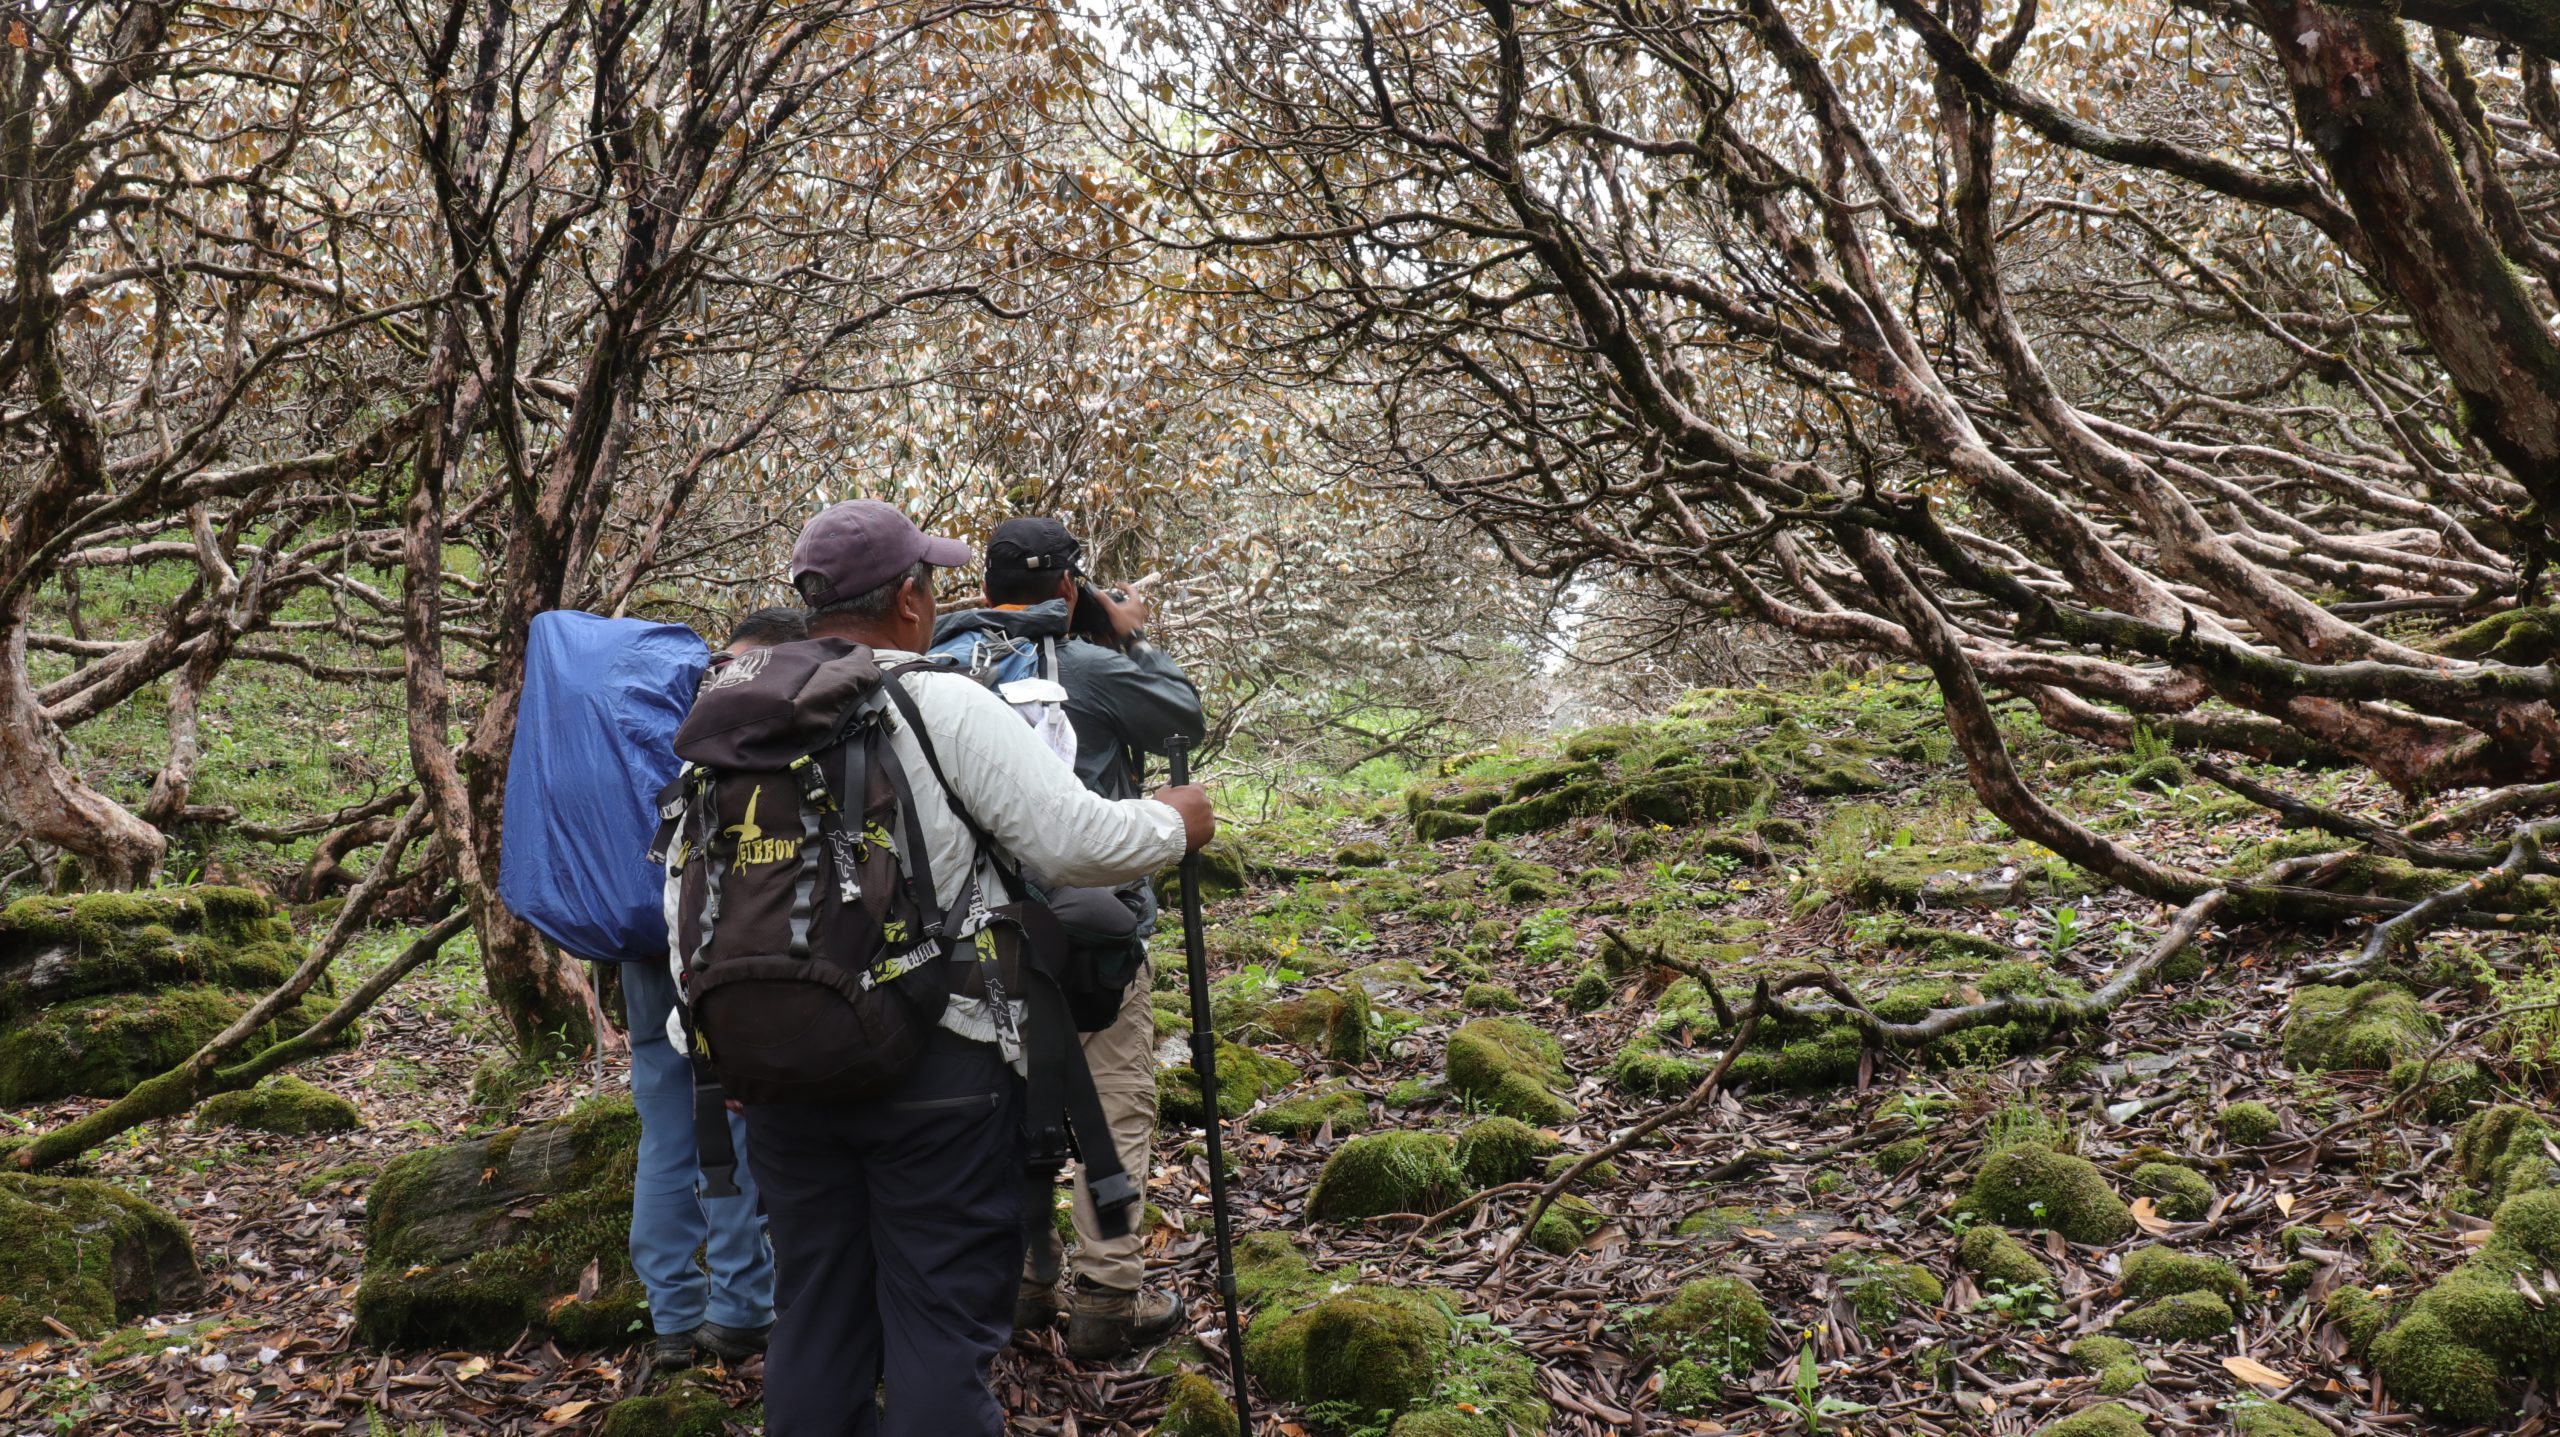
point(898, 1227)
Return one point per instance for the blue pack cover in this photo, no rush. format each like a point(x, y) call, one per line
point(595, 741)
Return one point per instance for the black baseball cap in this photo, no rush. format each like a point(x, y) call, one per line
point(1033, 546)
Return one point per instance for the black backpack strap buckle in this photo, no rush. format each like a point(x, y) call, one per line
point(719, 1156)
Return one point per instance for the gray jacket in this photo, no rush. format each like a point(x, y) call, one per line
point(1124, 705)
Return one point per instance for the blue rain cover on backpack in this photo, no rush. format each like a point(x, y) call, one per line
point(595, 741)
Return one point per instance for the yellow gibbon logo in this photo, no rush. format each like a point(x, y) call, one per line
point(753, 847)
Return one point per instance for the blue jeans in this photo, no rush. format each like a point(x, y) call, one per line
point(670, 1220)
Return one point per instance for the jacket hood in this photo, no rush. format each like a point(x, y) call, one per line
point(1040, 621)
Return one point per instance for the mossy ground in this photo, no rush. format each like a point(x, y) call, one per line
point(1445, 931)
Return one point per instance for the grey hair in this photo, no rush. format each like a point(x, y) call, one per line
point(872, 607)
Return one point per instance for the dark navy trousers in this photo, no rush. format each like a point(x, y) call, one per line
point(897, 1241)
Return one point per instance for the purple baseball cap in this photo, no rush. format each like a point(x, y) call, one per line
point(854, 547)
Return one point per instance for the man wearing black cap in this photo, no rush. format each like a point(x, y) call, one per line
point(1124, 699)
point(897, 1226)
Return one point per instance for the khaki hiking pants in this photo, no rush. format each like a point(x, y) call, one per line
point(1123, 1060)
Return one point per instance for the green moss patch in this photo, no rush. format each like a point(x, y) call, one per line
point(1334, 1024)
point(1511, 1067)
point(2369, 1027)
point(1306, 1115)
point(1365, 1357)
point(1882, 1288)
point(2478, 1325)
point(2248, 1123)
point(1567, 1223)
point(1388, 1172)
point(2180, 1194)
point(2030, 1186)
point(2502, 1152)
point(2266, 1419)
point(488, 1237)
point(2155, 1272)
point(1710, 1331)
point(1497, 1150)
point(1194, 1407)
point(281, 1104)
point(88, 1255)
point(1245, 1077)
point(2185, 1317)
point(2117, 1365)
point(2110, 1419)
point(683, 1406)
point(1995, 1256)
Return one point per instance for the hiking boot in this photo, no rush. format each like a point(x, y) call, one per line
point(1035, 1307)
point(734, 1344)
point(671, 1352)
point(1110, 1321)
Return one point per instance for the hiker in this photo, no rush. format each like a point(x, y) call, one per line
point(729, 1312)
point(1122, 699)
point(595, 734)
point(898, 1224)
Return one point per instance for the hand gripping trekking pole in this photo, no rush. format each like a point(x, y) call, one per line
point(1204, 1063)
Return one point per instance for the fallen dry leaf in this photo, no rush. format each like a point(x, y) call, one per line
point(2147, 1217)
point(2255, 1373)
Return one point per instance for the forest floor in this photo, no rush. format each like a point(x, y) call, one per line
point(1864, 853)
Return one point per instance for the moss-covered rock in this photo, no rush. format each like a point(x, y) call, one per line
point(2031, 1186)
point(2501, 1153)
point(2178, 1193)
point(1334, 1024)
point(1497, 1150)
point(1995, 1256)
point(1388, 1172)
point(685, 1405)
point(1491, 998)
point(1371, 1355)
point(88, 1255)
point(2359, 1316)
point(1717, 1325)
point(1194, 1407)
point(2117, 1366)
point(2151, 1273)
point(281, 1104)
point(1590, 989)
point(100, 991)
point(2248, 1123)
point(2266, 1419)
point(491, 1236)
point(1510, 1067)
point(1432, 825)
point(1883, 1288)
point(1245, 1077)
point(1374, 1356)
point(1682, 799)
point(2108, 1419)
point(2478, 1324)
point(2368, 1027)
point(2450, 1086)
point(1900, 1156)
point(1364, 854)
point(2185, 1317)
point(1565, 1225)
point(1518, 881)
point(1549, 808)
point(54, 949)
point(1306, 1115)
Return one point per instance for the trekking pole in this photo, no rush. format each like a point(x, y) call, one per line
point(1204, 1063)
